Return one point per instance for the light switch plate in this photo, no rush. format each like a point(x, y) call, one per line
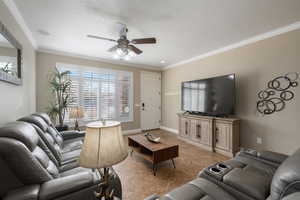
point(259, 140)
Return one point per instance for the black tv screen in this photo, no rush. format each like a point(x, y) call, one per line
point(212, 96)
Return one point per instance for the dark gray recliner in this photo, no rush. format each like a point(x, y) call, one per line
point(66, 135)
point(198, 189)
point(27, 172)
point(248, 176)
point(64, 151)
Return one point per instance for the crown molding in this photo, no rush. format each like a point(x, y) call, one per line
point(115, 62)
point(20, 20)
point(242, 43)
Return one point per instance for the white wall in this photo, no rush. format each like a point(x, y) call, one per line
point(18, 101)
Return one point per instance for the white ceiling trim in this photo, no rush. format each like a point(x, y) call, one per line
point(248, 41)
point(20, 20)
point(68, 54)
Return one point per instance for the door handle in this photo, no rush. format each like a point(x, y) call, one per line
point(143, 106)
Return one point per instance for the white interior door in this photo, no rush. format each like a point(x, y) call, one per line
point(150, 100)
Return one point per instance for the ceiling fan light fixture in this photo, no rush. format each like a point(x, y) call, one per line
point(122, 52)
point(131, 53)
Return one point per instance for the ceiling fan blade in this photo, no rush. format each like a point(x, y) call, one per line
point(114, 48)
point(134, 49)
point(101, 38)
point(144, 41)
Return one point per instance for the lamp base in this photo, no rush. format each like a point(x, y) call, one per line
point(104, 192)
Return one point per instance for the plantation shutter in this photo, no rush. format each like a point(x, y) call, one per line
point(102, 93)
point(89, 95)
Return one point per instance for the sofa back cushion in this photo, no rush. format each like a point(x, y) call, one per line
point(47, 119)
point(287, 177)
point(20, 150)
point(47, 135)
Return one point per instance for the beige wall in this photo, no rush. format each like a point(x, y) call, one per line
point(46, 63)
point(254, 65)
point(8, 51)
point(17, 101)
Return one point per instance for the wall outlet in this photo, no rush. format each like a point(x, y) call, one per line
point(259, 140)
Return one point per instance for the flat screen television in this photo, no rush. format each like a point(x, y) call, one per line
point(211, 96)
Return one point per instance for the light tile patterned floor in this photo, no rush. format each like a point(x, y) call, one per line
point(137, 178)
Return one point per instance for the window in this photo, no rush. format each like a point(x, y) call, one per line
point(8, 64)
point(102, 93)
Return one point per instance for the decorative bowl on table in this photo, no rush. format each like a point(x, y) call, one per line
point(152, 138)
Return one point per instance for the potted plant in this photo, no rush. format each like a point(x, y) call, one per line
point(60, 85)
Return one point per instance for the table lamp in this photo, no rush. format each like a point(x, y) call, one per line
point(76, 113)
point(103, 147)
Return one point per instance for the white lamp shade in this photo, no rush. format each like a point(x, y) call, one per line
point(103, 145)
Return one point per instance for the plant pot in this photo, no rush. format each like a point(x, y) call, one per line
point(62, 128)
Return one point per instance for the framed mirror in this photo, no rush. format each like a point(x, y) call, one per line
point(10, 57)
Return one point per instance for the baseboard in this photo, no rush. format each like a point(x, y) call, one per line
point(169, 129)
point(135, 131)
point(131, 132)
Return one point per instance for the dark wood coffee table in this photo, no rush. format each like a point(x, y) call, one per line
point(153, 152)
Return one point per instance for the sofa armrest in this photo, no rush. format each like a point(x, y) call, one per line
point(65, 185)
point(152, 197)
point(67, 135)
point(30, 192)
point(272, 156)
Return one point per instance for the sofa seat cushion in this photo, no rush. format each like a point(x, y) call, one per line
point(72, 144)
point(198, 189)
point(258, 165)
point(249, 180)
point(71, 156)
point(69, 166)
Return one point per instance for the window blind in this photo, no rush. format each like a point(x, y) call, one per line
point(102, 93)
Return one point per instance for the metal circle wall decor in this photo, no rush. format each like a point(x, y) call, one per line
point(278, 92)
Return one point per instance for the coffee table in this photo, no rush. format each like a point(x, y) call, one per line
point(153, 152)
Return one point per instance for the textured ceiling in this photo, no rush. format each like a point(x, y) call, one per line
point(184, 29)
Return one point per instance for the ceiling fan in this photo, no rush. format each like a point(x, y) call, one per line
point(124, 48)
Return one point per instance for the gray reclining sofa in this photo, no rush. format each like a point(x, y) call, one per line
point(39, 163)
point(250, 175)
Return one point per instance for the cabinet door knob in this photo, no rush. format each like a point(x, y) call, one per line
point(198, 131)
point(186, 127)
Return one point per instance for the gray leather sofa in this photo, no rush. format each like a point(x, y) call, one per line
point(65, 151)
point(250, 175)
point(33, 165)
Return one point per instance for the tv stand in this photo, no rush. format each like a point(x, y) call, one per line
point(206, 114)
point(217, 134)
